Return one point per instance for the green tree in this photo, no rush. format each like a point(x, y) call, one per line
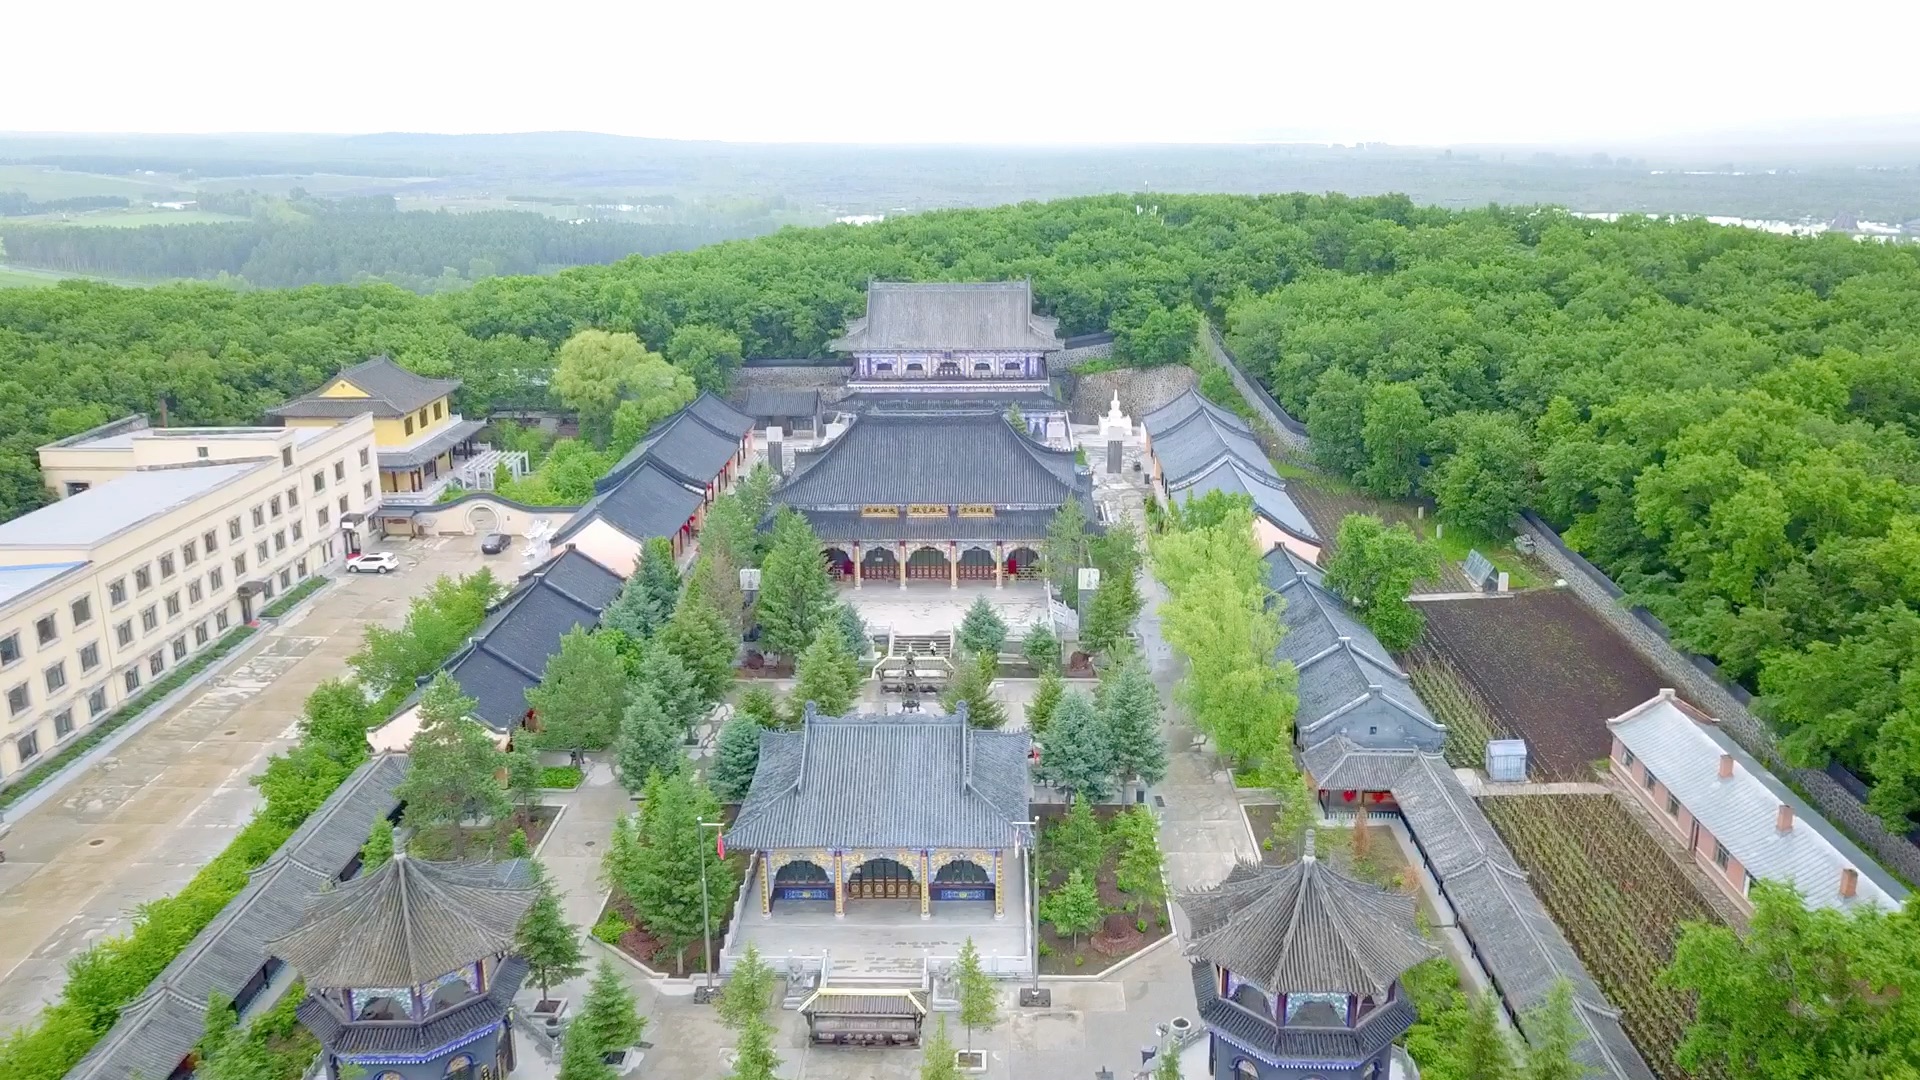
point(437, 624)
point(608, 1014)
point(736, 758)
point(826, 675)
point(1138, 870)
point(979, 1000)
point(1067, 548)
point(655, 390)
point(672, 684)
point(1485, 1053)
point(1041, 649)
point(716, 581)
point(707, 354)
point(581, 695)
point(1046, 702)
point(664, 875)
point(1373, 568)
point(1073, 908)
point(228, 1050)
point(1803, 993)
point(581, 1058)
point(1129, 705)
point(754, 1058)
point(853, 629)
point(547, 941)
point(1395, 434)
point(452, 767)
point(972, 686)
point(1486, 481)
point(758, 704)
point(936, 1057)
point(659, 576)
point(1077, 842)
point(748, 991)
point(795, 596)
point(649, 740)
point(524, 775)
point(1078, 754)
point(982, 631)
point(1553, 1034)
point(637, 611)
point(378, 850)
point(1116, 603)
point(705, 645)
point(730, 531)
point(591, 374)
point(1336, 418)
point(1167, 1065)
point(518, 846)
point(1156, 335)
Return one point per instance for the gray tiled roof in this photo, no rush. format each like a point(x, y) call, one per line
point(886, 781)
point(987, 397)
point(1304, 928)
point(1268, 492)
point(432, 448)
point(644, 502)
point(507, 655)
point(1181, 409)
point(973, 457)
point(1241, 1027)
point(846, 525)
point(1682, 749)
point(161, 1027)
point(408, 923)
point(108, 509)
point(691, 444)
point(949, 315)
point(1514, 937)
point(330, 1027)
point(1348, 681)
point(778, 404)
point(392, 391)
point(715, 413)
point(1200, 441)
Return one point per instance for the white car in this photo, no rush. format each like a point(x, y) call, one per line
point(373, 562)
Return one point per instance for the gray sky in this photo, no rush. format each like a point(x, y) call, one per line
point(1027, 71)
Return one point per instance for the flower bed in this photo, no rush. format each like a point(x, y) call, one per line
point(119, 718)
point(1120, 934)
point(640, 943)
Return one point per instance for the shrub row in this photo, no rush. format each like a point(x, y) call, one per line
point(293, 596)
point(119, 718)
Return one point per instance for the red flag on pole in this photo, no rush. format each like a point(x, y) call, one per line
point(720, 844)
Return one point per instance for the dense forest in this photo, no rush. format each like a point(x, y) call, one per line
point(1721, 418)
point(333, 243)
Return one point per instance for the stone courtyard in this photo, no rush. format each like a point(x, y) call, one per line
point(924, 607)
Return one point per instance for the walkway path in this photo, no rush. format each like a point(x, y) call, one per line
point(140, 823)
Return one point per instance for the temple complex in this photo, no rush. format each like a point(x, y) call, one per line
point(408, 970)
point(942, 345)
point(1195, 447)
point(1296, 970)
point(924, 810)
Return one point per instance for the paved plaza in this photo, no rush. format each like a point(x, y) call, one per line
point(143, 820)
point(930, 607)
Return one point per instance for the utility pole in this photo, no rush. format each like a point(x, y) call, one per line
point(706, 914)
point(1032, 995)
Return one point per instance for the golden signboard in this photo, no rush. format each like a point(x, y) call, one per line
point(976, 510)
point(927, 510)
point(879, 511)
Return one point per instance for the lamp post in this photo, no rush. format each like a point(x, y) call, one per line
point(706, 914)
point(1033, 995)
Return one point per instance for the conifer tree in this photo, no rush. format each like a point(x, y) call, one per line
point(609, 1014)
point(1073, 908)
point(1078, 842)
point(716, 578)
point(1041, 649)
point(699, 637)
point(1046, 700)
point(660, 577)
point(1078, 754)
point(795, 596)
point(451, 766)
point(1168, 1067)
point(581, 695)
point(1485, 1053)
point(664, 873)
point(982, 630)
point(748, 991)
point(1116, 603)
point(736, 758)
point(827, 675)
point(936, 1058)
point(581, 1058)
point(378, 850)
point(672, 685)
point(1130, 706)
point(979, 1001)
point(753, 1056)
point(546, 940)
point(524, 774)
point(972, 686)
point(649, 740)
point(853, 628)
point(1552, 1036)
point(1138, 870)
point(758, 704)
point(518, 847)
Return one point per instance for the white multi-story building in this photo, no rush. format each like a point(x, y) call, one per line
point(163, 539)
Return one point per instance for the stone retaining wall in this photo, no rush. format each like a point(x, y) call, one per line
point(1141, 391)
point(1895, 852)
point(1285, 434)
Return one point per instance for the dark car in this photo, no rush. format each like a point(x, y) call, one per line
point(495, 543)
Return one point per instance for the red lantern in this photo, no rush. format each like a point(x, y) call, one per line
point(1348, 795)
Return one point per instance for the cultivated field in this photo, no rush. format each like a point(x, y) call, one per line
point(1619, 899)
point(1548, 670)
point(129, 218)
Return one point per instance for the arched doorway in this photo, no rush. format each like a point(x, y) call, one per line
point(882, 879)
point(927, 562)
point(976, 564)
point(1023, 563)
point(948, 369)
point(482, 519)
point(962, 879)
point(879, 564)
point(839, 563)
point(802, 879)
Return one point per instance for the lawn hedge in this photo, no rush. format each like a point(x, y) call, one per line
point(292, 596)
point(119, 718)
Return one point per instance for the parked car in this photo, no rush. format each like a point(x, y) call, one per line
point(495, 543)
point(373, 562)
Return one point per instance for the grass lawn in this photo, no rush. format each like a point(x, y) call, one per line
point(1455, 541)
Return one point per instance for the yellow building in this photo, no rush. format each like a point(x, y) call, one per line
point(424, 446)
point(163, 540)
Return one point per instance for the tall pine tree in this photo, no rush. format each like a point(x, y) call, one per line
point(1130, 705)
point(795, 595)
point(451, 768)
point(649, 740)
point(664, 886)
point(581, 694)
point(546, 940)
point(1078, 754)
point(609, 1014)
point(827, 674)
point(699, 637)
point(736, 758)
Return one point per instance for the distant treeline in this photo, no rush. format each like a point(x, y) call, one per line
point(17, 204)
point(420, 250)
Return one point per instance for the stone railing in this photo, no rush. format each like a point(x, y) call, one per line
point(1696, 677)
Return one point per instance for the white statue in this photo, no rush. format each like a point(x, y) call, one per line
point(539, 541)
point(1116, 424)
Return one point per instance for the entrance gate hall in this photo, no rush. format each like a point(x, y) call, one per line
point(882, 879)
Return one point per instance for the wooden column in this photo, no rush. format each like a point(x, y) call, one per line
point(766, 885)
point(953, 564)
point(999, 564)
point(856, 564)
point(903, 563)
point(926, 888)
point(999, 884)
point(839, 886)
